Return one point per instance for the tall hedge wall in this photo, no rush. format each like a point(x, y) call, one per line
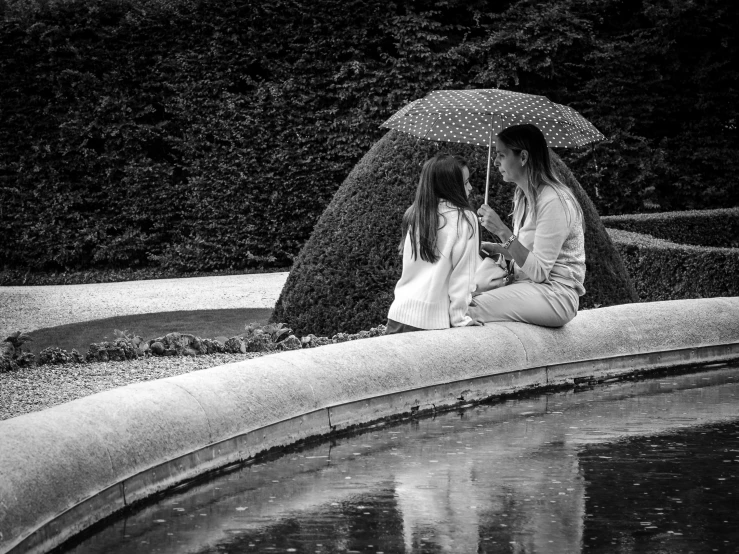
point(211, 134)
point(344, 278)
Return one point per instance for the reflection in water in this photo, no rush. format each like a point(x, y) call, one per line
point(648, 467)
point(678, 489)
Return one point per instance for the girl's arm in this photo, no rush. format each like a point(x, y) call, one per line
point(465, 258)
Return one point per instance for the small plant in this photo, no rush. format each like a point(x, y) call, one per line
point(265, 338)
point(12, 354)
point(54, 355)
point(123, 335)
point(277, 331)
point(18, 339)
point(235, 345)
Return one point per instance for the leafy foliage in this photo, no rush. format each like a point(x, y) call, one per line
point(717, 228)
point(191, 136)
point(272, 337)
point(607, 281)
point(53, 355)
point(343, 280)
point(18, 339)
point(275, 331)
point(13, 355)
point(664, 270)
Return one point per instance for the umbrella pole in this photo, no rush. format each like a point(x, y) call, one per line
point(490, 151)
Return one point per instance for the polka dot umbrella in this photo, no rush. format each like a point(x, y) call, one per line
point(474, 116)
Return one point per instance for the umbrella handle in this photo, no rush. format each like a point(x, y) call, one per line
point(490, 150)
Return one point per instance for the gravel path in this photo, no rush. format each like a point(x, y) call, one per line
point(30, 308)
point(38, 388)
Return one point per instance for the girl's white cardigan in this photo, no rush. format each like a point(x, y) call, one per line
point(437, 296)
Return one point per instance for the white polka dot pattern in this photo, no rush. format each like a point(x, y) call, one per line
point(466, 116)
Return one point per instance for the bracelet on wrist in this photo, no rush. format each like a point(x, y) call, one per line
point(508, 243)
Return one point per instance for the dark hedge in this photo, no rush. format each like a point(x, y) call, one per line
point(200, 135)
point(664, 270)
point(343, 279)
point(718, 228)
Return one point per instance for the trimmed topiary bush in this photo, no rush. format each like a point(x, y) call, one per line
point(343, 279)
point(607, 282)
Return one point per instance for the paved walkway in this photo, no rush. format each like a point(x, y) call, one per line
point(31, 308)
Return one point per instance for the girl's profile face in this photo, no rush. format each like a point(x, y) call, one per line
point(466, 179)
point(508, 163)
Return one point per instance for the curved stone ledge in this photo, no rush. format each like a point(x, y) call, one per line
point(65, 468)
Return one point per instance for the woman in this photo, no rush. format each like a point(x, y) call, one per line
point(440, 249)
point(547, 244)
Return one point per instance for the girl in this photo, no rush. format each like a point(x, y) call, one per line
point(440, 249)
point(547, 243)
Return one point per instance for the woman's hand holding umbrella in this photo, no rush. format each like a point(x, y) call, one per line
point(492, 222)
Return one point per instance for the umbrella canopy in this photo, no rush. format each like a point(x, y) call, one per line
point(474, 116)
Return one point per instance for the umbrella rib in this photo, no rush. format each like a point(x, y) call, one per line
point(429, 127)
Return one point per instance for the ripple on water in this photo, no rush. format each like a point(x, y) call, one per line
point(647, 466)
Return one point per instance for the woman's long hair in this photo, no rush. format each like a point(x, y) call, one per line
point(539, 170)
point(441, 179)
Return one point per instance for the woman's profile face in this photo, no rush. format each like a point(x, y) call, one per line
point(508, 163)
point(466, 179)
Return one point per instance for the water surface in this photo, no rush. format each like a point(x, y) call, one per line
point(648, 466)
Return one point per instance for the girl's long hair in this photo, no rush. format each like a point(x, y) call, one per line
point(441, 179)
point(539, 169)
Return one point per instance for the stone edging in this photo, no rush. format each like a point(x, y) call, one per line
point(64, 468)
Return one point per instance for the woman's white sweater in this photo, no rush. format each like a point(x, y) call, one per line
point(555, 239)
point(437, 295)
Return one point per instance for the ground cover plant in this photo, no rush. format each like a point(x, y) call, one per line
point(217, 324)
point(191, 135)
point(255, 337)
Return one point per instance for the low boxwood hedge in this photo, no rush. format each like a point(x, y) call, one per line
point(344, 277)
point(697, 227)
point(664, 270)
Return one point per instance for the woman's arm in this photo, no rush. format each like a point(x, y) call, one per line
point(492, 222)
point(552, 228)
